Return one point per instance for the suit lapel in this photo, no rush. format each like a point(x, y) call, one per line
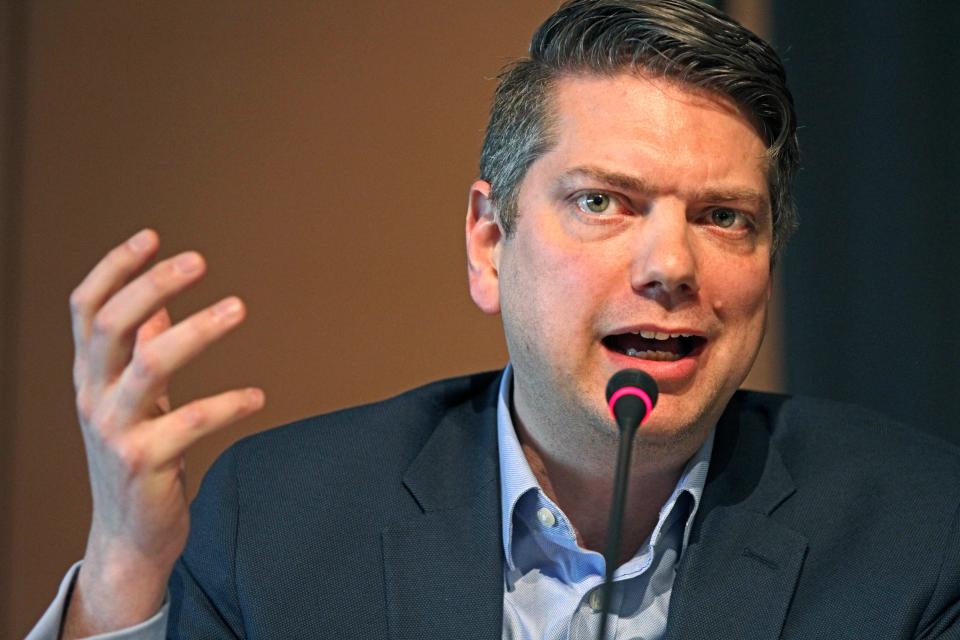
point(443, 570)
point(739, 573)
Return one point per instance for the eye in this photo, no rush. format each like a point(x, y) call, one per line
point(596, 202)
point(728, 218)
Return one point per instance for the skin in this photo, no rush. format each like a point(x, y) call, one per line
point(682, 244)
point(126, 352)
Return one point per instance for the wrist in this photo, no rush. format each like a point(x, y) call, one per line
point(116, 588)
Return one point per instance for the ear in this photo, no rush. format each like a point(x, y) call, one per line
point(484, 241)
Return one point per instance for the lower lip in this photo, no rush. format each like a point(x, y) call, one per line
point(665, 373)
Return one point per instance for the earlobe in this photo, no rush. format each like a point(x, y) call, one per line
point(484, 239)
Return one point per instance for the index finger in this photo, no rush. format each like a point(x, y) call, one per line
point(107, 277)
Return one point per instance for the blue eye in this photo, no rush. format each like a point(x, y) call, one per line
point(594, 202)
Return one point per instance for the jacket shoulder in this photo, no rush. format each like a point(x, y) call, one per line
point(408, 417)
point(824, 441)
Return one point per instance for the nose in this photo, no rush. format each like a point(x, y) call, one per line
point(664, 266)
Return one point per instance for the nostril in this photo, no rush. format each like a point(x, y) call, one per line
point(669, 275)
point(667, 295)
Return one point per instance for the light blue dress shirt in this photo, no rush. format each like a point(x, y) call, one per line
point(552, 585)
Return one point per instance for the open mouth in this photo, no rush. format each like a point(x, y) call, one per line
point(651, 345)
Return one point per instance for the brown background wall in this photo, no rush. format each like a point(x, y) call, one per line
point(317, 153)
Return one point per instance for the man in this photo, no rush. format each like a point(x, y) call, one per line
point(634, 195)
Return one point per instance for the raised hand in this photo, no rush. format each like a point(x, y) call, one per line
point(126, 351)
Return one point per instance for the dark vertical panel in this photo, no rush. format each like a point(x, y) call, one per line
point(871, 309)
point(12, 62)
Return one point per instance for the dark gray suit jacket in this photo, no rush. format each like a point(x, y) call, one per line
point(818, 520)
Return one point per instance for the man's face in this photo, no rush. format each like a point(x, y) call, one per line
point(649, 219)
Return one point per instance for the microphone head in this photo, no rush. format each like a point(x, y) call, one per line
point(631, 395)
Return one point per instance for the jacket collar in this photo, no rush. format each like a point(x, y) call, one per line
point(443, 570)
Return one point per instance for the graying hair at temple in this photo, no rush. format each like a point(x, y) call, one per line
point(684, 40)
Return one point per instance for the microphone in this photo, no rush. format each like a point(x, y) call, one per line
point(631, 395)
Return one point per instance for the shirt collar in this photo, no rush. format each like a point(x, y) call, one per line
point(516, 476)
point(517, 479)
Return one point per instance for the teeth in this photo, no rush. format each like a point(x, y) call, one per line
point(652, 355)
point(656, 335)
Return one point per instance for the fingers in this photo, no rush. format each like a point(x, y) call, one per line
point(172, 434)
point(157, 324)
point(155, 360)
point(114, 326)
point(107, 277)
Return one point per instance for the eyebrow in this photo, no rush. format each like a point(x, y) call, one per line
point(637, 184)
point(612, 178)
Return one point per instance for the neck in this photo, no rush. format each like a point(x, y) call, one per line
point(582, 485)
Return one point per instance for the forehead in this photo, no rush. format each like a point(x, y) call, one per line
point(636, 122)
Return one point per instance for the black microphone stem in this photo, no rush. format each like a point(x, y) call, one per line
point(612, 554)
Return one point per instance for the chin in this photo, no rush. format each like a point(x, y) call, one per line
point(675, 423)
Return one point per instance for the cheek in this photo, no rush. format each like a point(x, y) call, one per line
point(542, 271)
point(549, 286)
point(740, 292)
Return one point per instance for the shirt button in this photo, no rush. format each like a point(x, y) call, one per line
point(545, 516)
point(596, 600)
